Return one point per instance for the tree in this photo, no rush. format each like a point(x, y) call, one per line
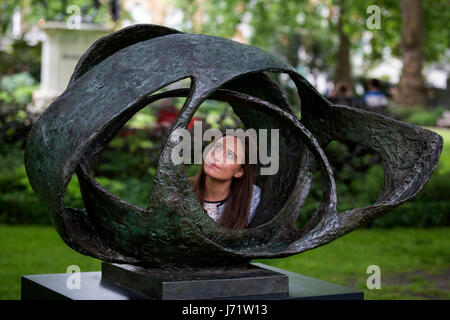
point(294, 31)
point(316, 37)
point(323, 36)
point(411, 85)
point(424, 40)
point(343, 66)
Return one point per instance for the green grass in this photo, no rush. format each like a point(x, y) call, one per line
point(444, 159)
point(408, 259)
point(34, 250)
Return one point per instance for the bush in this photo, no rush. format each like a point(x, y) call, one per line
point(425, 118)
point(15, 94)
point(419, 116)
point(430, 208)
point(20, 205)
point(18, 202)
point(21, 58)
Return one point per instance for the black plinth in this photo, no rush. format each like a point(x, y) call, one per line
point(93, 287)
point(198, 284)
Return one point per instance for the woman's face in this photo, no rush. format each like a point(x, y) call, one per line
point(224, 160)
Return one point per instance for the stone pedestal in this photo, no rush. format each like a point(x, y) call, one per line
point(94, 286)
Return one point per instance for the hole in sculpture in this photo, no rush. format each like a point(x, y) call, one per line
point(127, 165)
point(211, 114)
point(72, 197)
point(312, 201)
point(276, 187)
point(288, 89)
point(358, 174)
point(219, 116)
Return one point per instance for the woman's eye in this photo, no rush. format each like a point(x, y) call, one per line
point(230, 155)
point(217, 147)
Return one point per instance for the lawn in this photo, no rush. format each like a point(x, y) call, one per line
point(444, 159)
point(414, 263)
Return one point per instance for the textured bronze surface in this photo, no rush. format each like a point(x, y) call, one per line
point(117, 76)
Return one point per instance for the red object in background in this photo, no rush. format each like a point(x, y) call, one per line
point(168, 114)
point(166, 117)
point(191, 124)
point(126, 132)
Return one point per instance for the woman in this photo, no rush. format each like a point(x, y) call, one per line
point(224, 183)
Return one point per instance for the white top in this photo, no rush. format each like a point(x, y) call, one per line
point(216, 208)
point(374, 99)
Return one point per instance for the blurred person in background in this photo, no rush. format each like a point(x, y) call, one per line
point(374, 99)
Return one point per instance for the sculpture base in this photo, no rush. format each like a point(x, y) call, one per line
point(93, 286)
point(205, 284)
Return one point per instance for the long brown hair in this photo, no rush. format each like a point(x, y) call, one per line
point(237, 206)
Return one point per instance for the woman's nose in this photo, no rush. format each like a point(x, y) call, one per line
point(217, 159)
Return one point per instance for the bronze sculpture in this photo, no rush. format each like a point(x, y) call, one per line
point(116, 77)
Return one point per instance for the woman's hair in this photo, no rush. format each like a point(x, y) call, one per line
point(237, 206)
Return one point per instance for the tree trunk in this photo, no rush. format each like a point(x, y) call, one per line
point(343, 68)
point(411, 85)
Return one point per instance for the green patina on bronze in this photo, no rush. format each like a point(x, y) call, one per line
point(116, 78)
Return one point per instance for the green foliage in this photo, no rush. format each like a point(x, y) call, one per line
point(355, 189)
point(34, 10)
point(15, 94)
point(18, 202)
point(431, 207)
point(20, 58)
point(417, 115)
point(437, 33)
point(426, 118)
point(17, 88)
point(287, 27)
point(281, 27)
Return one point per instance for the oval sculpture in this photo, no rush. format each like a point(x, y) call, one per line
point(117, 76)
